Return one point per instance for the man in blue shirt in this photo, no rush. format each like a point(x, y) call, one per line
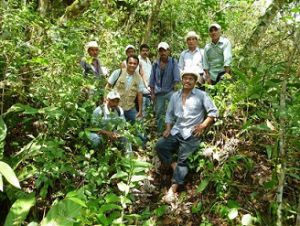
point(164, 76)
point(189, 113)
point(217, 55)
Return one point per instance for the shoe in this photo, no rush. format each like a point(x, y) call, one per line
point(170, 196)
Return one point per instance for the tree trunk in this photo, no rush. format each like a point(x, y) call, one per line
point(43, 7)
point(262, 26)
point(281, 167)
point(76, 8)
point(151, 20)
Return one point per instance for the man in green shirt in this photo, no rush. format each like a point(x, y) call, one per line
point(217, 55)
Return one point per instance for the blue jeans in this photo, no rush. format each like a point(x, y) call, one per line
point(130, 115)
point(146, 104)
point(165, 147)
point(160, 107)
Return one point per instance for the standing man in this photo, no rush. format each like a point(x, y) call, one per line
point(147, 66)
point(129, 51)
point(164, 76)
point(190, 113)
point(217, 55)
point(129, 85)
point(91, 64)
point(191, 59)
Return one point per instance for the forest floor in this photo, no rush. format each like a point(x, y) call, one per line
point(246, 188)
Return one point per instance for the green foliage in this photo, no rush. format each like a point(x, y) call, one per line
point(7, 172)
point(20, 209)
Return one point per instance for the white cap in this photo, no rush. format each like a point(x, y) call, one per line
point(91, 44)
point(163, 45)
point(113, 95)
point(129, 47)
point(191, 34)
point(214, 25)
point(193, 72)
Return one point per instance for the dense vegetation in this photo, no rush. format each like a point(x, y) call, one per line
point(246, 170)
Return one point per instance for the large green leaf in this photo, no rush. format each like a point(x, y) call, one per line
point(19, 210)
point(9, 174)
point(65, 212)
point(3, 131)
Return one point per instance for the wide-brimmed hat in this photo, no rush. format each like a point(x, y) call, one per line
point(191, 34)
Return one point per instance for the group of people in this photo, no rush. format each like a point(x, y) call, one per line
point(182, 115)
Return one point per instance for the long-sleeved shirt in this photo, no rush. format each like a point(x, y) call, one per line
point(147, 66)
point(163, 80)
point(217, 56)
point(191, 60)
point(198, 105)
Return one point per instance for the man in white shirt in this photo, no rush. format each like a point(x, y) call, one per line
point(147, 66)
point(191, 59)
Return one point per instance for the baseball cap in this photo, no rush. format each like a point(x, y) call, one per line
point(113, 95)
point(163, 45)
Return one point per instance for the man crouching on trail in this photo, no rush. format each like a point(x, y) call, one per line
point(189, 113)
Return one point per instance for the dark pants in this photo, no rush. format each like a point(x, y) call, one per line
point(165, 147)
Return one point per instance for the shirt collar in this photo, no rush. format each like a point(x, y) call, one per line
point(192, 92)
point(221, 41)
point(196, 50)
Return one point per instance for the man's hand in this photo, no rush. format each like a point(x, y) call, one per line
point(112, 135)
point(199, 129)
point(152, 97)
point(208, 79)
point(166, 133)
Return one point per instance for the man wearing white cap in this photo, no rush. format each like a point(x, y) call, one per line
point(164, 76)
point(191, 59)
point(91, 64)
point(190, 112)
point(217, 55)
point(109, 118)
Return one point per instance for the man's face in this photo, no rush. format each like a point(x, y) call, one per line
point(131, 65)
point(188, 81)
point(214, 33)
point(144, 52)
point(192, 42)
point(93, 52)
point(113, 103)
point(130, 52)
point(163, 53)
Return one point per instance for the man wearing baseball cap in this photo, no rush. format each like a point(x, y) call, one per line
point(217, 55)
point(91, 64)
point(190, 112)
point(164, 76)
point(109, 118)
point(193, 56)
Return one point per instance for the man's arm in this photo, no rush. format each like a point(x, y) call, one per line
point(206, 66)
point(227, 56)
point(140, 104)
point(169, 116)
point(200, 128)
point(212, 114)
point(181, 61)
point(112, 79)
